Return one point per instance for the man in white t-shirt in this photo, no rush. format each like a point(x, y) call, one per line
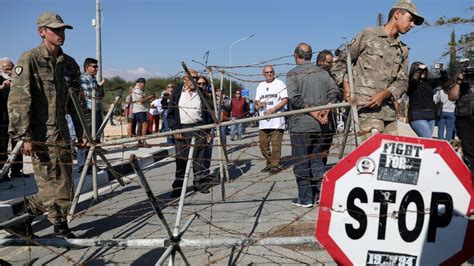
point(271, 98)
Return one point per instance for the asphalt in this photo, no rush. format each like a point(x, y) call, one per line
point(11, 200)
point(255, 205)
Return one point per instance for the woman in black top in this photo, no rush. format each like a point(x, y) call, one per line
point(421, 109)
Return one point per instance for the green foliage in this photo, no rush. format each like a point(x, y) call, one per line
point(443, 21)
point(464, 45)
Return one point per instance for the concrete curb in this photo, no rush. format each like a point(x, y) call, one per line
point(11, 207)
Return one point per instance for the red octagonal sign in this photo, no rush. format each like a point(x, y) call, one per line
point(399, 201)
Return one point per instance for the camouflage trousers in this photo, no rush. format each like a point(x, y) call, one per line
point(369, 126)
point(52, 166)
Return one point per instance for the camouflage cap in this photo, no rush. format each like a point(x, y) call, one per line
point(410, 7)
point(52, 20)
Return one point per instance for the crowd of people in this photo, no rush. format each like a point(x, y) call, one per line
point(380, 61)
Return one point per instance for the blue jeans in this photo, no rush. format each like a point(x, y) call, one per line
point(446, 121)
point(309, 167)
point(236, 129)
point(165, 127)
point(423, 128)
point(223, 136)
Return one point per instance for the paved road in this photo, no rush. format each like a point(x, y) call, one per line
point(256, 205)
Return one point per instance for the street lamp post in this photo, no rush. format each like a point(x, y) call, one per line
point(230, 60)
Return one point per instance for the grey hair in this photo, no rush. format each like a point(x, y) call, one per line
point(5, 59)
point(304, 51)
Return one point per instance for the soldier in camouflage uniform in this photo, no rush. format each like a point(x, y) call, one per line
point(37, 109)
point(380, 69)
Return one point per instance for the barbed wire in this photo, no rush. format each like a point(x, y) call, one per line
point(217, 220)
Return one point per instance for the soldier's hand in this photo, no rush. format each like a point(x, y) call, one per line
point(377, 100)
point(346, 91)
point(27, 148)
point(178, 136)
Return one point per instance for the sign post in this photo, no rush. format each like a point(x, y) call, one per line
point(399, 201)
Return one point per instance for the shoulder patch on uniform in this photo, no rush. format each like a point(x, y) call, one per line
point(18, 70)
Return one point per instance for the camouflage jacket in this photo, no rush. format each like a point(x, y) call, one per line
point(380, 62)
point(38, 97)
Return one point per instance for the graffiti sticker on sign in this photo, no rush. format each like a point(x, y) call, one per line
point(400, 162)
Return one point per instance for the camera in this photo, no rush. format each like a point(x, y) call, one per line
point(438, 66)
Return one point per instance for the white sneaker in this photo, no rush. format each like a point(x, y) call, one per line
point(297, 202)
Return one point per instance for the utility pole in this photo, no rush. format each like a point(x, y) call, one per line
point(230, 61)
point(379, 20)
point(98, 37)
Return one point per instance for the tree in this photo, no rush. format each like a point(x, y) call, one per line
point(465, 44)
point(453, 66)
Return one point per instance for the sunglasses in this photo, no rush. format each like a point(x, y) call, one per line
point(269, 72)
point(94, 66)
point(195, 78)
point(202, 83)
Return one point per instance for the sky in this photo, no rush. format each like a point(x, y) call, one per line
point(150, 38)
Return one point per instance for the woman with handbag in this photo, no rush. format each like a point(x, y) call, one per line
point(421, 110)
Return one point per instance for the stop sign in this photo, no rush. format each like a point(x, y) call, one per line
point(400, 201)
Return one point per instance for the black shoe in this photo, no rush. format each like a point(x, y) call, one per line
point(62, 231)
point(175, 193)
point(204, 191)
point(275, 169)
point(18, 175)
point(266, 169)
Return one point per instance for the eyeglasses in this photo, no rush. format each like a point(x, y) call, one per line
point(202, 83)
point(269, 72)
point(238, 93)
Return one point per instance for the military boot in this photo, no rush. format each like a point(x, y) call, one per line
point(62, 231)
